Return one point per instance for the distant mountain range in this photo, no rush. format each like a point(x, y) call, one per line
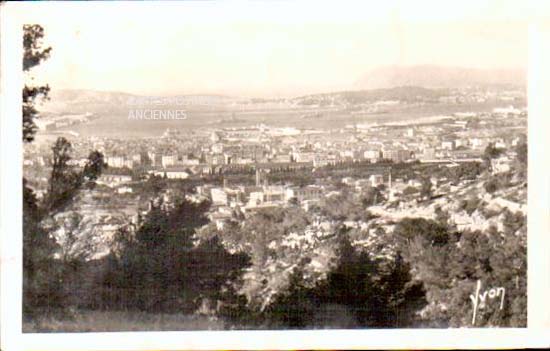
point(83, 100)
point(431, 76)
point(113, 97)
point(389, 82)
point(402, 93)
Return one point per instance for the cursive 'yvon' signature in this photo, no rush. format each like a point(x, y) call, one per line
point(478, 300)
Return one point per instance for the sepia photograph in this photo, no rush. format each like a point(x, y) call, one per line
point(246, 175)
point(274, 166)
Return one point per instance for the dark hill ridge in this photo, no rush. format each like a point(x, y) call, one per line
point(432, 76)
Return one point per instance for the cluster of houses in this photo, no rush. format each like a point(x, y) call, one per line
point(229, 200)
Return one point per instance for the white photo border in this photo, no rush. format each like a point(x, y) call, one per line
point(12, 16)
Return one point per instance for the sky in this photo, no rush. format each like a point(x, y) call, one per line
point(277, 48)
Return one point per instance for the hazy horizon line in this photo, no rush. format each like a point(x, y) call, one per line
point(318, 91)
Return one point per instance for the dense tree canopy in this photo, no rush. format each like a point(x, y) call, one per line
point(160, 268)
point(42, 272)
point(450, 263)
point(358, 292)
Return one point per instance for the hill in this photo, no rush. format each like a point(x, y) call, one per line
point(402, 93)
point(432, 76)
point(82, 100)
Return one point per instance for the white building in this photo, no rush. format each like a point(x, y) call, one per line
point(171, 174)
point(322, 160)
point(376, 179)
point(372, 155)
point(274, 193)
point(304, 156)
point(217, 148)
point(176, 174)
point(256, 198)
point(507, 110)
point(113, 179)
point(190, 162)
point(115, 161)
point(168, 161)
point(124, 190)
point(310, 192)
point(448, 145)
point(281, 158)
point(219, 197)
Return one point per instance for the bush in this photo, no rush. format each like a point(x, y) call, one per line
point(470, 205)
point(434, 233)
point(358, 292)
point(491, 186)
point(449, 272)
point(161, 270)
point(410, 190)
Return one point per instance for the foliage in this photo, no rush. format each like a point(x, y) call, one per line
point(159, 268)
point(293, 308)
point(426, 188)
point(521, 151)
point(466, 171)
point(43, 273)
point(521, 158)
point(442, 217)
point(431, 232)
point(65, 181)
point(513, 222)
point(358, 292)
point(346, 206)
point(410, 190)
point(471, 204)
point(491, 152)
point(495, 183)
point(33, 55)
point(77, 240)
point(371, 196)
point(491, 185)
point(449, 270)
point(41, 286)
